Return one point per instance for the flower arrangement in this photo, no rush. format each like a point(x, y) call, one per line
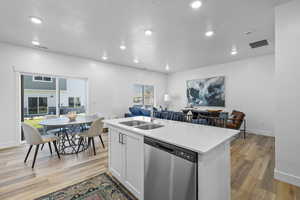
point(72, 116)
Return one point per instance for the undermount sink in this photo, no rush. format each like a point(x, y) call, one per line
point(133, 123)
point(149, 126)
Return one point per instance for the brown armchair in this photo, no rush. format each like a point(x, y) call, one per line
point(236, 120)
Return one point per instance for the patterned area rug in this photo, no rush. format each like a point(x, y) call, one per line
point(101, 187)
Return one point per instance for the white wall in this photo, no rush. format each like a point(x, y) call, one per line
point(110, 86)
point(249, 86)
point(287, 128)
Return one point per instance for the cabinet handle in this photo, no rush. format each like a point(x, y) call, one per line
point(123, 139)
point(120, 138)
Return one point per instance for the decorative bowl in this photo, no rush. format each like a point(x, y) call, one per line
point(72, 116)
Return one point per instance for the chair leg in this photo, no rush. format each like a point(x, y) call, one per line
point(79, 144)
point(102, 141)
point(55, 146)
point(42, 147)
point(89, 142)
point(35, 155)
point(93, 142)
point(28, 153)
point(244, 129)
point(50, 147)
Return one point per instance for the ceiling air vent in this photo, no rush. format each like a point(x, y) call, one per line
point(258, 44)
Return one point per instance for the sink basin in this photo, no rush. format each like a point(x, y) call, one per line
point(133, 123)
point(149, 126)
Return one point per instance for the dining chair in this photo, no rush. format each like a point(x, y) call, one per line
point(52, 130)
point(95, 130)
point(93, 116)
point(33, 137)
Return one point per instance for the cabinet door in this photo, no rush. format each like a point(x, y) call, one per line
point(116, 157)
point(134, 162)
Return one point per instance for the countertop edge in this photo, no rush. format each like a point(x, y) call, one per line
point(131, 129)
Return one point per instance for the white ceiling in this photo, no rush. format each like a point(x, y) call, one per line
point(87, 28)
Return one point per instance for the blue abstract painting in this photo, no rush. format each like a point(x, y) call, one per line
point(206, 92)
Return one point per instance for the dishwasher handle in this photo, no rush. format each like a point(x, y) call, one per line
point(159, 145)
point(164, 148)
point(172, 149)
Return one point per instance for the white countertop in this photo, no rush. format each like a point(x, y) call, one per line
point(195, 137)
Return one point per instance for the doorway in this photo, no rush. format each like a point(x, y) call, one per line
point(45, 95)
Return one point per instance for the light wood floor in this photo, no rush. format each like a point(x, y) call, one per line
point(252, 171)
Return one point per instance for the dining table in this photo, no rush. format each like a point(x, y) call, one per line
point(67, 130)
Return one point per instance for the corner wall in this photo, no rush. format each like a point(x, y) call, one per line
point(287, 73)
point(110, 87)
point(249, 87)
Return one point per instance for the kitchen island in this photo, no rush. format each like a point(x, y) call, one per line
point(127, 153)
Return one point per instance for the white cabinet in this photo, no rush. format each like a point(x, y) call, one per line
point(133, 163)
point(115, 153)
point(126, 161)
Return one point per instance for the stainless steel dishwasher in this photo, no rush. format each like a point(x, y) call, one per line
point(171, 172)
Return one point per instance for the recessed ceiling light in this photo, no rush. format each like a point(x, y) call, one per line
point(36, 20)
point(136, 60)
point(104, 57)
point(167, 67)
point(196, 4)
point(209, 33)
point(35, 43)
point(148, 32)
point(234, 52)
point(123, 47)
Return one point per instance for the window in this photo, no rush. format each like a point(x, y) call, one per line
point(48, 79)
point(143, 95)
point(32, 105)
point(71, 102)
point(138, 95)
point(148, 95)
point(77, 102)
point(44, 95)
point(74, 102)
point(43, 105)
point(37, 105)
point(37, 78)
point(42, 78)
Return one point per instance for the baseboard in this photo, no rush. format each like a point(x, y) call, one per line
point(8, 145)
point(287, 178)
point(260, 132)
